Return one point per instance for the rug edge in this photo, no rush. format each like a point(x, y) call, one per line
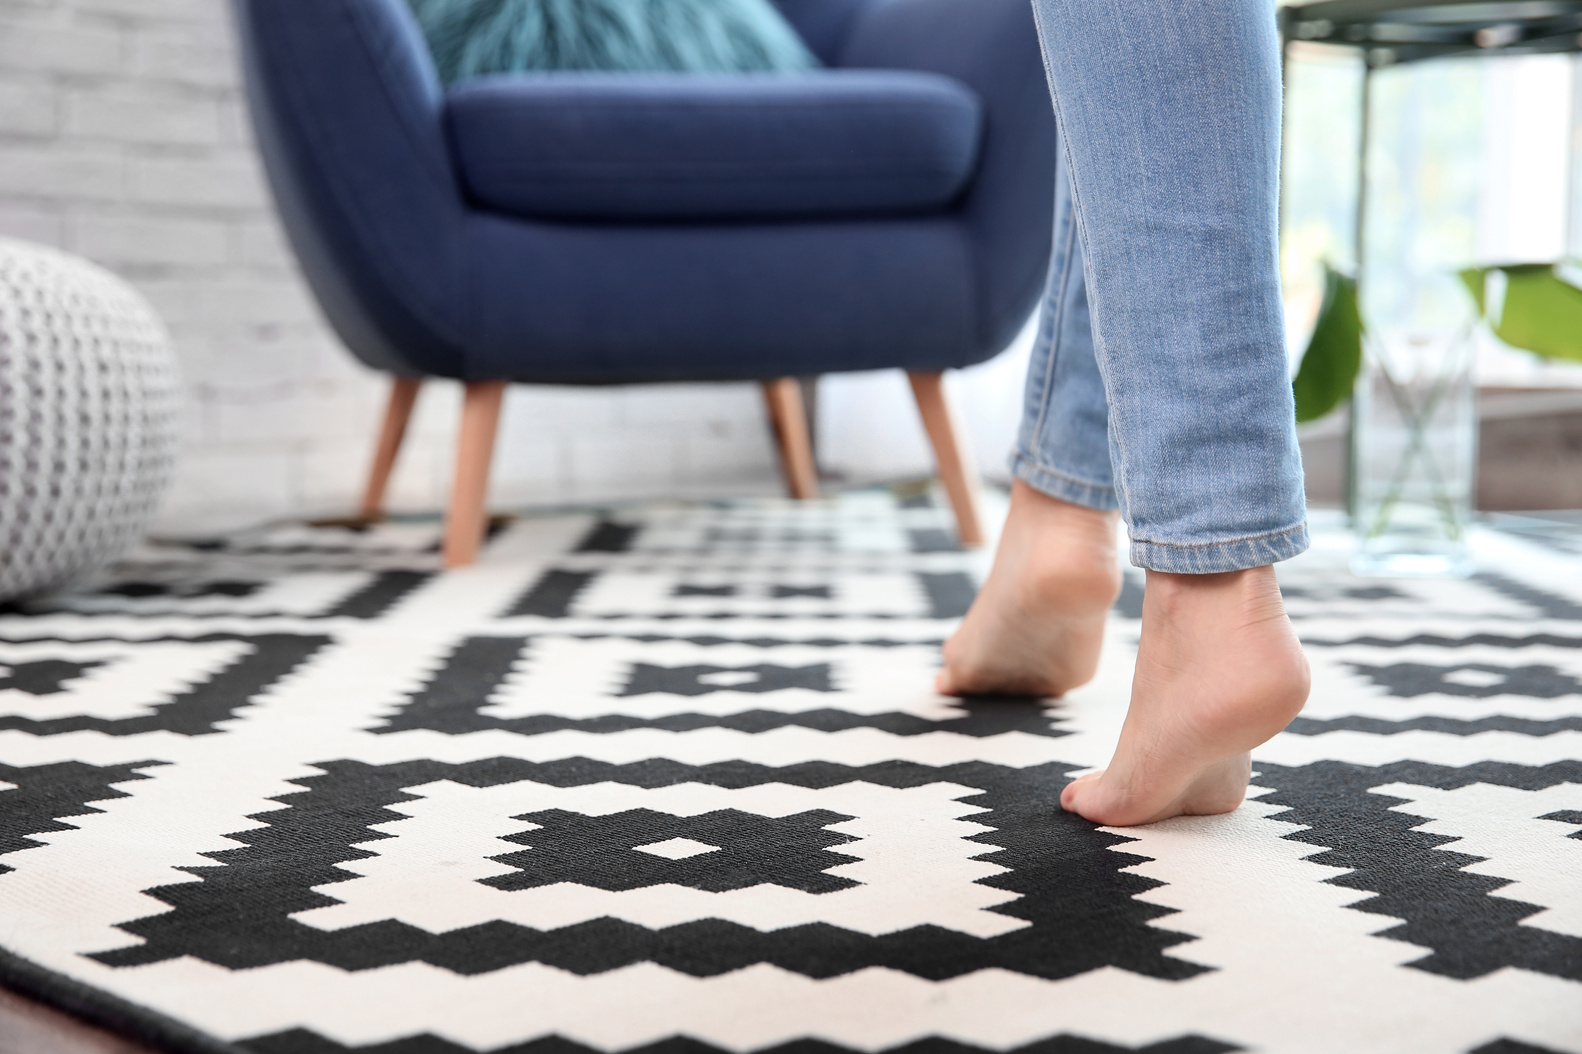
point(103, 1009)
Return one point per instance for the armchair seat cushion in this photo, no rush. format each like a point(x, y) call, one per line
point(591, 146)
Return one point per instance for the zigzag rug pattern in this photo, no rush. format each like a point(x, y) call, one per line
point(672, 780)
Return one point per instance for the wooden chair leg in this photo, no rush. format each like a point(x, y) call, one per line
point(784, 398)
point(398, 411)
point(955, 468)
point(465, 521)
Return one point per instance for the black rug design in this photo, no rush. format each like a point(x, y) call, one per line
point(674, 780)
point(1070, 884)
point(41, 798)
point(647, 591)
point(198, 682)
point(457, 700)
point(1446, 908)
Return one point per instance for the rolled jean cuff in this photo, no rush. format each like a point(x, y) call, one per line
point(1217, 557)
point(1057, 484)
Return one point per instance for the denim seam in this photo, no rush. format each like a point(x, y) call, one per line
point(1046, 390)
point(1229, 541)
point(1049, 76)
point(1057, 320)
point(1223, 556)
point(1094, 295)
point(1063, 486)
point(1033, 462)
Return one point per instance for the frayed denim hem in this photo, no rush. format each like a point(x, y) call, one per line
point(1217, 557)
point(1057, 484)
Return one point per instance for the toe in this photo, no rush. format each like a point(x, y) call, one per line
point(1073, 791)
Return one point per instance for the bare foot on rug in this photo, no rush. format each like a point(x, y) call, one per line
point(1038, 622)
point(1219, 671)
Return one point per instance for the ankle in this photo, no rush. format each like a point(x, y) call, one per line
point(1047, 524)
point(1253, 593)
point(1232, 627)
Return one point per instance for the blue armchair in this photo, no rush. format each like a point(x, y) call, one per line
point(890, 210)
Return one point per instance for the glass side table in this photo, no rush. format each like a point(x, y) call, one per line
point(1412, 422)
point(1392, 32)
point(1395, 31)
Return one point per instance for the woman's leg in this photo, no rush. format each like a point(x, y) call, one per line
point(1063, 446)
point(1170, 120)
point(1038, 623)
point(1170, 129)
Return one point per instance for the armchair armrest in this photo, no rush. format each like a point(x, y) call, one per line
point(992, 47)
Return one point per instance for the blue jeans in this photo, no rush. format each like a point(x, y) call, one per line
point(1159, 384)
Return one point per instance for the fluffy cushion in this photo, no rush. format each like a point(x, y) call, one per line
point(666, 147)
point(472, 37)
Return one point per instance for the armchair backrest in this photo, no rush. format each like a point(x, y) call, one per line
point(348, 113)
point(822, 23)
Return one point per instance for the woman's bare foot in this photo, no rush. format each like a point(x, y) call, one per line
point(1219, 671)
point(1038, 622)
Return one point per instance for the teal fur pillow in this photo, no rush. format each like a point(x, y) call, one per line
point(472, 37)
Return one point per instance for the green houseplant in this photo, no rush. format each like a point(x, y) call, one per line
point(1540, 311)
point(1334, 352)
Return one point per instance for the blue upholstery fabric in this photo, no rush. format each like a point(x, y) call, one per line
point(1008, 216)
point(822, 23)
point(418, 279)
point(679, 146)
point(345, 104)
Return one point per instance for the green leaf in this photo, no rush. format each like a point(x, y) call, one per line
point(1542, 312)
point(1475, 279)
point(1334, 353)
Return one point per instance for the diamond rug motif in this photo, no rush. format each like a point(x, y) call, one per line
point(673, 779)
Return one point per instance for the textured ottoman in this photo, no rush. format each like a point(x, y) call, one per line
point(88, 417)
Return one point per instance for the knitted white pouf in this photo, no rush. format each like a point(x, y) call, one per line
point(89, 403)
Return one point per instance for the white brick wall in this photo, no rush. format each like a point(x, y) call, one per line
point(124, 138)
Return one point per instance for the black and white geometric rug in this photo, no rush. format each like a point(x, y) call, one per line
point(673, 779)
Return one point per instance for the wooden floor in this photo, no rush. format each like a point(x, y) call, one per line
point(27, 1027)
